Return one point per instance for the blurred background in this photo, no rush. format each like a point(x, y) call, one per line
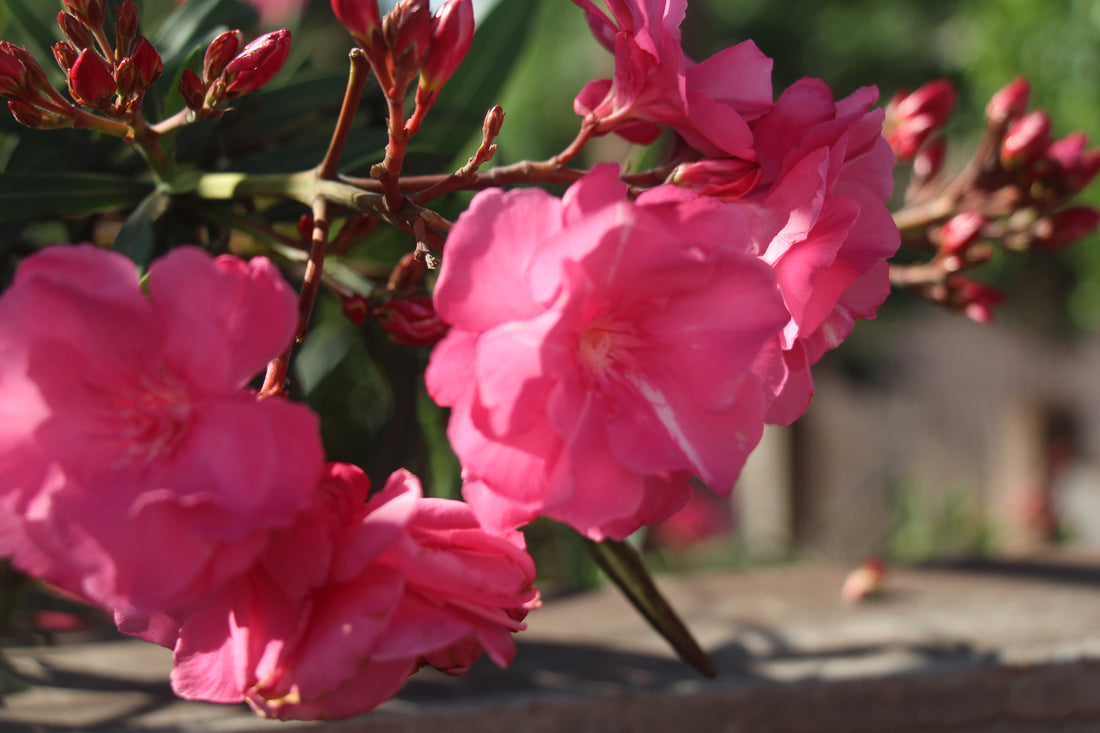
point(930, 435)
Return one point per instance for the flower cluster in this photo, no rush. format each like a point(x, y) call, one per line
point(142, 474)
point(605, 354)
point(605, 349)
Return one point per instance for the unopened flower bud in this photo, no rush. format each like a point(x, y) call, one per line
point(223, 49)
point(408, 33)
point(912, 117)
point(77, 33)
point(356, 309)
point(407, 274)
point(305, 226)
point(13, 75)
point(257, 64)
point(27, 114)
point(66, 55)
point(126, 27)
point(147, 64)
point(90, 81)
point(411, 321)
point(1065, 227)
point(1009, 104)
point(1076, 168)
point(928, 161)
point(89, 12)
point(361, 19)
point(125, 78)
point(727, 179)
point(1027, 140)
point(961, 231)
point(974, 298)
point(34, 77)
point(192, 90)
point(494, 122)
point(452, 34)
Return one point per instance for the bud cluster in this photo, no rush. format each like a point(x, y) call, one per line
point(410, 40)
point(231, 69)
point(1013, 193)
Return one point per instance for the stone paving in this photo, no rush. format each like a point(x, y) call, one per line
point(978, 647)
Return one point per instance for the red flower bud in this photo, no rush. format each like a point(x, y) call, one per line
point(90, 12)
point(124, 78)
point(912, 118)
point(411, 321)
point(13, 75)
point(929, 160)
point(1009, 103)
point(66, 55)
point(407, 274)
point(77, 33)
point(452, 34)
point(727, 179)
point(219, 53)
point(90, 81)
point(1027, 140)
point(356, 309)
point(34, 78)
point(974, 298)
point(961, 231)
point(27, 114)
point(361, 19)
point(147, 64)
point(126, 26)
point(408, 33)
point(257, 63)
point(1076, 168)
point(1065, 227)
point(192, 90)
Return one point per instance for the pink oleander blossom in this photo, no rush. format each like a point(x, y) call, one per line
point(139, 470)
point(818, 216)
point(707, 103)
point(599, 352)
point(342, 607)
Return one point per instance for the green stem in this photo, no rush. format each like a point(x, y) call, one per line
point(624, 566)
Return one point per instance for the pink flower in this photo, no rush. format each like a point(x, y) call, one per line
point(342, 607)
point(599, 352)
point(139, 471)
point(655, 84)
point(818, 216)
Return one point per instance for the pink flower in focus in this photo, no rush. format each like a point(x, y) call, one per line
point(818, 216)
point(599, 351)
point(139, 471)
point(342, 607)
point(655, 84)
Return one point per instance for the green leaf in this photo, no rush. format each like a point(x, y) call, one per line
point(624, 566)
point(196, 21)
point(31, 195)
point(476, 86)
point(135, 239)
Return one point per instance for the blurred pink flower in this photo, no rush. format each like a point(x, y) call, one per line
point(272, 12)
point(705, 516)
point(599, 351)
point(818, 216)
point(654, 84)
point(140, 472)
point(342, 607)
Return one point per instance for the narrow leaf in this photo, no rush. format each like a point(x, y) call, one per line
point(31, 196)
point(135, 239)
point(624, 566)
